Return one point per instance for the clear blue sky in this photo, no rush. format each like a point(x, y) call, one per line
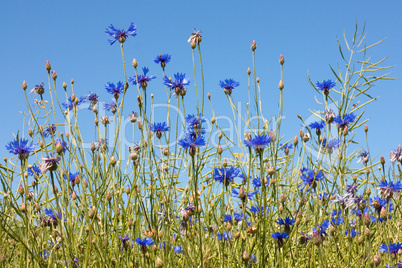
point(70, 34)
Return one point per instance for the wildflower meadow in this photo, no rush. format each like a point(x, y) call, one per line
point(132, 188)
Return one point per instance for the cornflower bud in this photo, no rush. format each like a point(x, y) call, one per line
point(306, 137)
point(113, 161)
point(23, 208)
point(281, 85)
point(74, 195)
point(209, 95)
point(253, 45)
point(213, 119)
point(158, 263)
point(245, 257)
point(21, 189)
point(365, 128)
point(54, 75)
point(382, 160)
point(135, 63)
point(64, 85)
point(224, 163)
point(72, 81)
point(108, 196)
point(281, 59)
point(219, 149)
point(295, 141)
point(24, 85)
point(193, 44)
point(48, 66)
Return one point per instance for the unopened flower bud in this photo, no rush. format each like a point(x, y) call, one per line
point(281, 85)
point(368, 191)
point(345, 131)
point(282, 198)
point(376, 260)
point(135, 63)
point(273, 136)
point(48, 66)
point(382, 160)
point(74, 195)
point(220, 135)
point(54, 75)
point(365, 128)
point(23, 208)
point(24, 85)
point(21, 189)
point(295, 141)
point(113, 161)
point(209, 95)
point(139, 124)
point(108, 196)
point(383, 213)
point(245, 257)
point(213, 119)
point(64, 85)
point(281, 59)
point(306, 137)
point(224, 163)
point(271, 171)
point(72, 81)
point(219, 149)
point(158, 263)
point(253, 45)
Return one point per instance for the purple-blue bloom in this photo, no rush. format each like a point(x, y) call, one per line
point(249, 195)
point(259, 142)
point(142, 79)
point(189, 142)
point(73, 104)
point(396, 155)
point(178, 249)
point(50, 130)
point(120, 35)
point(255, 209)
point(347, 119)
point(228, 85)
point(179, 85)
point(111, 107)
point(387, 189)
point(144, 243)
point(317, 125)
point(21, 148)
point(226, 175)
point(309, 179)
point(33, 170)
point(163, 59)
point(38, 89)
point(159, 128)
point(92, 98)
point(115, 90)
point(393, 248)
point(331, 145)
point(326, 85)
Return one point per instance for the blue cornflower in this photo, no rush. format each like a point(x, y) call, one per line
point(325, 86)
point(21, 148)
point(158, 128)
point(258, 210)
point(101, 145)
point(363, 157)
point(115, 89)
point(50, 130)
point(321, 229)
point(163, 59)
point(352, 233)
point(178, 249)
point(195, 121)
point(287, 222)
point(352, 189)
point(257, 182)
point(142, 79)
point(225, 236)
point(144, 243)
point(279, 237)
point(331, 145)
point(72, 103)
point(74, 178)
point(227, 218)
point(60, 146)
point(228, 85)
point(238, 217)
point(53, 217)
point(393, 248)
point(396, 155)
point(120, 35)
point(226, 175)
point(192, 143)
point(178, 85)
point(398, 265)
point(111, 107)
point(258, 143)
point(38, 89)
point(34, 170)
point(337, 220)
point(347, 119)
point(317, 126)
point(387, 189)
point(253, 258)
point(287, 147)
point(92, 98)
point(323, 196)
point(243, 194)
point(309, 179)
point(124, 242)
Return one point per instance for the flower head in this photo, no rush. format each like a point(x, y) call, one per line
point(347, 119)
point(38, 89)
point(331, 145)
point(363, 157)
point(329, 116)
point(259, 142)
point(287, 222)
point(228, 85)
point(49, 163)
point(112, 107)
point(60, 146)
point(243, 194)
point(226, 175)
point(142, 79)
point(387, 189)
point(325, 86)
point(195, 37)
point(261, 209)
point(144, 243)
point(396, 155)
point(286, 147)
point(317, 126)
point(159, 128)
point(279, 237)
point(163, 59)
point(92, 98)
point(309, 179)
point(34, 170)
point(115, 89)
point(393, 248)
point(49, 130)
point(120, 35)
point(21, 148)
point(178, 249)
point(178, 85)
point(192, 143)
